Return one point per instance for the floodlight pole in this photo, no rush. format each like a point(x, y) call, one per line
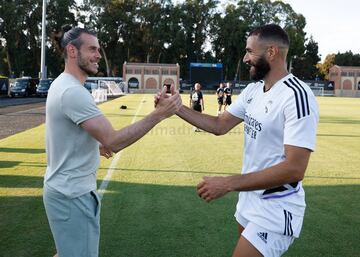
point(43, 40)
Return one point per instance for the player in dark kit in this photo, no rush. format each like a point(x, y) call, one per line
point(197, 101)
point(228, 92)
point(220, 97)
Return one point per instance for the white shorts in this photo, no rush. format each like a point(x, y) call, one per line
point(274, 215)
point(268, 243)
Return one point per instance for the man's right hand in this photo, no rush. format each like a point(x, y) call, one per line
point(167, 105)
point(158, 95)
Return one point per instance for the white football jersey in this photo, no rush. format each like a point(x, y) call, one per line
point(285, 114)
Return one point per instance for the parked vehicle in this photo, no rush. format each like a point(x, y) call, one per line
point(43, 87)
point(24, 86)
point(90, 85)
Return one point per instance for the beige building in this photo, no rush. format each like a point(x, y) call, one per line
point(150, 77)
point(346, 79)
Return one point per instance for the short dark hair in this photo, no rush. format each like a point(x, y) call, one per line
point(271, 32)
point(71, 35)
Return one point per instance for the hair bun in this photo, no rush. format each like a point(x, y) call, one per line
point(58, 36)
point(66, 28)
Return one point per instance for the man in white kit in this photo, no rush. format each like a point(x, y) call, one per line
point(280, 116)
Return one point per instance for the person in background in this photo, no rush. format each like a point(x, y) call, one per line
point(220, 97)
point(228, 93)
point(197, 101)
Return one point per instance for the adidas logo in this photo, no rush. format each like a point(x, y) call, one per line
point(263, 236)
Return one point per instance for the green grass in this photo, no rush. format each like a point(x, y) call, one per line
point(150, 207)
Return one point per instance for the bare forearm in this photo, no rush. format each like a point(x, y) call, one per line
point(291, 169)
point(124, 137)
point(203, 121)
point(274, 176)
point(215, 187)
point(101, 129)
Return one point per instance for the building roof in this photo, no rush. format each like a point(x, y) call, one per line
point(151, 64)
point(346, 67)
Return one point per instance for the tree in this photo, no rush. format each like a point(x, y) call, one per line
point(230, 31)
point(347, 59)
point(18, 37)
point(325, 67)
point(20, 27)
point(118, 26)
point(59, 13)
point(304, 66)
point(341, 59)
point(145, 31)
point(195, 17)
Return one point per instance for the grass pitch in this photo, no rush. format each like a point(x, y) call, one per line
point(150, 207)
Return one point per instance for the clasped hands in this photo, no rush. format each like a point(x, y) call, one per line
point(169, 104)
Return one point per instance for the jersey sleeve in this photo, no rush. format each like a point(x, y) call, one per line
point(78, 105)
point(238, 107)
point(301, 119)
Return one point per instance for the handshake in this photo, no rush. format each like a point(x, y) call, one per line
point(167, 105)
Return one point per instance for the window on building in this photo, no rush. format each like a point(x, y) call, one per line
point(137, 71)
point(351, 74)
point(155, 72)
point(147, 71)
point(129, 71)
point(173, 72)
point(344, 73)
point(165, 72)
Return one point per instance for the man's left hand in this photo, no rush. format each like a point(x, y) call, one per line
point(212, 188)
point(107, 153)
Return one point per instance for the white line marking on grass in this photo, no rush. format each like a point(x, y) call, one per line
point(116, 159)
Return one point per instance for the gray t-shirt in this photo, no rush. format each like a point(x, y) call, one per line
point(72, 154)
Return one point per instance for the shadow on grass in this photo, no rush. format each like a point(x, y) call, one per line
point(328, 177)
point(12, 164)
point(16, 181)
point(169, 221)
point(336, 135)
point(178, 171)
point(8, 164)
point(336, 120)
point(21, 150)
point(332, 222)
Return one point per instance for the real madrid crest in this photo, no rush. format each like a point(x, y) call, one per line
point(267, 106)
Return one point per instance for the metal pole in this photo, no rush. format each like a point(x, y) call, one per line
point(43, 40)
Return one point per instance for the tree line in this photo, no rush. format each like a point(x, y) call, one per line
point(156, 31)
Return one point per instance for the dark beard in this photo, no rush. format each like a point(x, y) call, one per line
point(82, 65)
point(262, 68)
